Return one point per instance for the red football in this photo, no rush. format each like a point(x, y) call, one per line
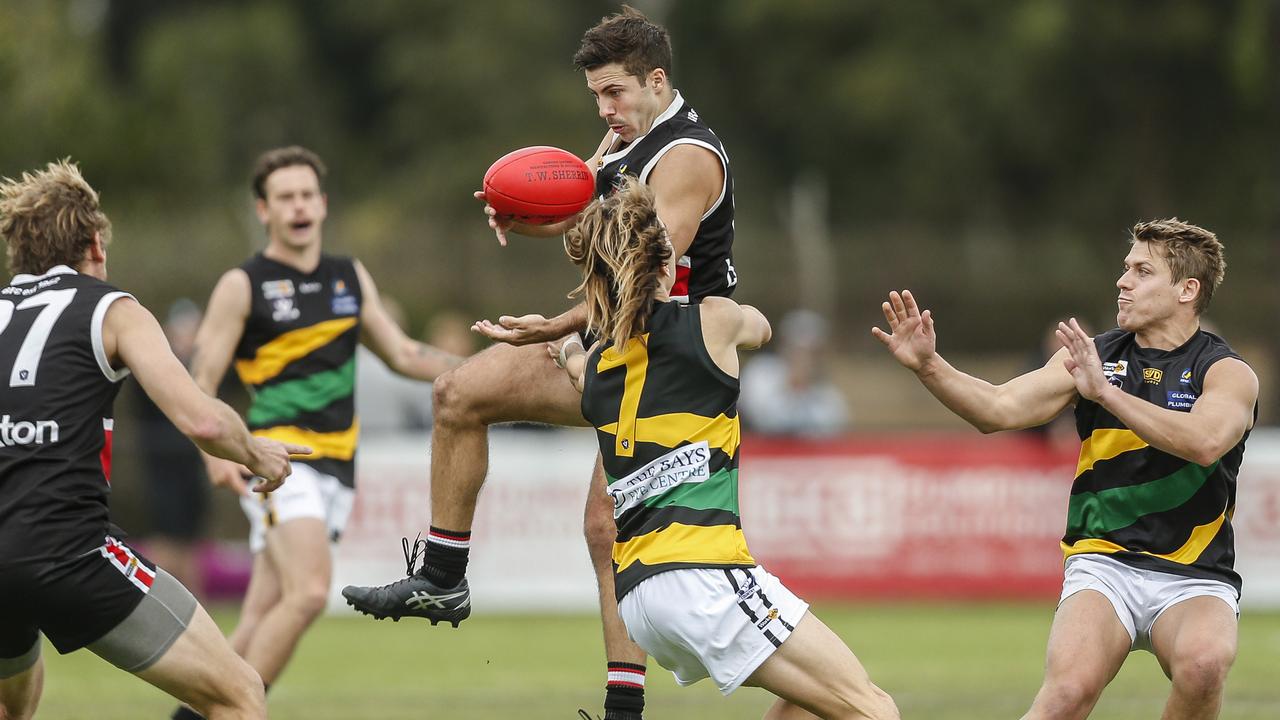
point(539, 185)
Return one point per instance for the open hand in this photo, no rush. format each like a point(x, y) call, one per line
point(523, 330)
point(910, 339)
point(1084, 364)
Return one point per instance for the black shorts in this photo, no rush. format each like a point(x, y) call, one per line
point(73, 601)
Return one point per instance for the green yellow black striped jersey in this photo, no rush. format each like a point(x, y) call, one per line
point(297, 356)
point(1140, 505)
point(667, 421)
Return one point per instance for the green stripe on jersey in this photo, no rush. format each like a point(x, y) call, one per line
point(286, 400)
point(718, 492)
point(1095, 514)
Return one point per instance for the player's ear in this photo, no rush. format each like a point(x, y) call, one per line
point(1190, 290)
point(657, 79)
point(260, 206)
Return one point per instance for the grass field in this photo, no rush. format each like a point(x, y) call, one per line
point(962, 662)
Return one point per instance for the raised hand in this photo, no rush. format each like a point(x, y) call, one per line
point(499, 223)
point(910, 339)
point(1084, 364)
point(523, 330)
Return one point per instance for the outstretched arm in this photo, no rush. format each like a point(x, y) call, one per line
point(384, 337)
point(132, 337)
point(1025, 401)
point(215, 346)
point(1218, 419)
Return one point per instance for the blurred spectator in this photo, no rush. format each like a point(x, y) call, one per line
point(177, 493)
point(787, 392)
point(386, 401)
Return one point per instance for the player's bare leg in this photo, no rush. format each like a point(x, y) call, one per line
point(624, 690)
point(20, 692)
point(202, 670)
point(504, 383)
point(1087, 646)
point(1195, 642)
point(815, 673)
point(262, 595)
point(298, 551)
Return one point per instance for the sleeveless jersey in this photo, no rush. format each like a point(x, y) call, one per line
point(1140, 505)
point(297, 356)
point(707, 267)
point(56, 394)
point(667, 422)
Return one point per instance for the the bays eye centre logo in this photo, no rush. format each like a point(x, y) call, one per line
point(1153, 375)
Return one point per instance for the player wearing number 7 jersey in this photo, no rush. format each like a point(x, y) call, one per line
point(661, 389)
point(67, 340)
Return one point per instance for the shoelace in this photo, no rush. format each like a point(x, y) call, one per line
point(412, 552)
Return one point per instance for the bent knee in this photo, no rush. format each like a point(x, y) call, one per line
point(873, 704)
point(1204, 674)
point(600, 532)
point(309, 600)
point(240, 691)
point(1066, 697)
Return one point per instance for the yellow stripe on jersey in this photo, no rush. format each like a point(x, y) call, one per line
point(274, 356)
point(635, 356)
point(674, 428)
point(1105, 444)
point(677, 543)
point(1190, 551)
point(339, 445)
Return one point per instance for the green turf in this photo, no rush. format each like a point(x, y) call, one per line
point(962, 662)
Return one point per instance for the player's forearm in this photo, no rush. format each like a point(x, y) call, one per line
point(217, 429)
point(551, 230)
point(973, 399)
point(423, 362)
point(1200, 439)
point(572, 320)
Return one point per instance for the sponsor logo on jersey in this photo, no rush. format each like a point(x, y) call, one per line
point(310, 288)
point(1152, 375)
point(1180, 399)
point(1185, 378)
point(1115, 372)
point(282, 310)
point(27, 432)
point(693, 115)
point(685, 464)
point(276, 289)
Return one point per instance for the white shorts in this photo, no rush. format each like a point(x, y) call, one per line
point(717, 623)
point(1139, 596)
point(307, 493)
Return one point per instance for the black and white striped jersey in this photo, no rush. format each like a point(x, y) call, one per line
point(56, 394)
point(707, 266)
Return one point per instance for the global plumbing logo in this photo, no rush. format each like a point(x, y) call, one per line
point(27, 432)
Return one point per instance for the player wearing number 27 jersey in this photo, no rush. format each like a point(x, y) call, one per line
point(67, 340)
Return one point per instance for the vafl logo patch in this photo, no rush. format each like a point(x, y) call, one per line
point(1152, 375)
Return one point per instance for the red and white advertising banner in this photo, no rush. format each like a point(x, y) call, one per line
point(946, 517)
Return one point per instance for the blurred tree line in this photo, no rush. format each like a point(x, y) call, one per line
point(990, 155)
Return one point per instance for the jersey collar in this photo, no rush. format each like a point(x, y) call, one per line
point(55, 270)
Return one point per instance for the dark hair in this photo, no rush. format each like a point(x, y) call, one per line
point(1191, 251)
point(49, 217)
point(621, 248)
point(272, 160)
point(628, 38)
